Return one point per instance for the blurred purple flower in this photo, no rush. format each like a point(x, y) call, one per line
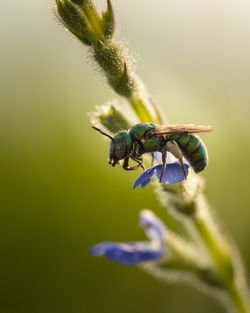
point(132, 253)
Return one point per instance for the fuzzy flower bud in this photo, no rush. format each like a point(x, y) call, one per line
point(82, 19)
point(108, 19)
point(111, 117)
point(112, 60)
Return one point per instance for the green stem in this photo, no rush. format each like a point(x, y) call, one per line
point(218, 249)
point(238, 297)
point(221, 254)
point(185, 257)
point(141, 109)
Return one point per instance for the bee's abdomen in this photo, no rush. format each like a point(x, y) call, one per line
point(193, 149)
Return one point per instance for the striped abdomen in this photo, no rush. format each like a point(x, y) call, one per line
point(193, 149)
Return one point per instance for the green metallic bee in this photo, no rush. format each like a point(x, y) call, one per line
point(149, 137)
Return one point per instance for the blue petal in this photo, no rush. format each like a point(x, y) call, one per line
point(146, 176)
point(154, 227)
point(145, 182)
point(100, 249)
point(127, 254)
point(158, 157)
point(173, 173)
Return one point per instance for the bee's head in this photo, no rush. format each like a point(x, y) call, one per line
point(120, 146)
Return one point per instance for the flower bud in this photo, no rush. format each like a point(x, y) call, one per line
point(82, 19)
point(108, 19)
point(111, 117)
point(74, 19)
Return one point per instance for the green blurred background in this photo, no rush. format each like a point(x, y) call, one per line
point(58, 194)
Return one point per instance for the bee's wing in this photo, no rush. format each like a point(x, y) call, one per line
point(178, 129)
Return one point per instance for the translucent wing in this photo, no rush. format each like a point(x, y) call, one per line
point(178, 129)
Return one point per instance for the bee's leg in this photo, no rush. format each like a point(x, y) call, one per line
point(164, 163)
point(183, 167)
point(139, 161)
point(153, 159)
point(137, 158)
point(126, 166)
point(175, 150)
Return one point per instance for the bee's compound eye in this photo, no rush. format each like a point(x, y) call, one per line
point(121, 148)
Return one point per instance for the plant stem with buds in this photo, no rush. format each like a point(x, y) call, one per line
point(186, 199)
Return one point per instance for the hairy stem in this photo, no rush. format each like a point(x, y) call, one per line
point(223, 259)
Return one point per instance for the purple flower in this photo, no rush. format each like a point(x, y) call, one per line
point(131, 253)
point(154, 227)
point(173, 173)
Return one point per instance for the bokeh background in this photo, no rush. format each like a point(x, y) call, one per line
point(58, 194)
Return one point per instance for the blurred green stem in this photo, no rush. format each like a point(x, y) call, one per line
point(240, 300)
point(138, 104)
point(223, 259)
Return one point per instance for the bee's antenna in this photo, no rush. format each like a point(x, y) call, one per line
point(103, 133)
